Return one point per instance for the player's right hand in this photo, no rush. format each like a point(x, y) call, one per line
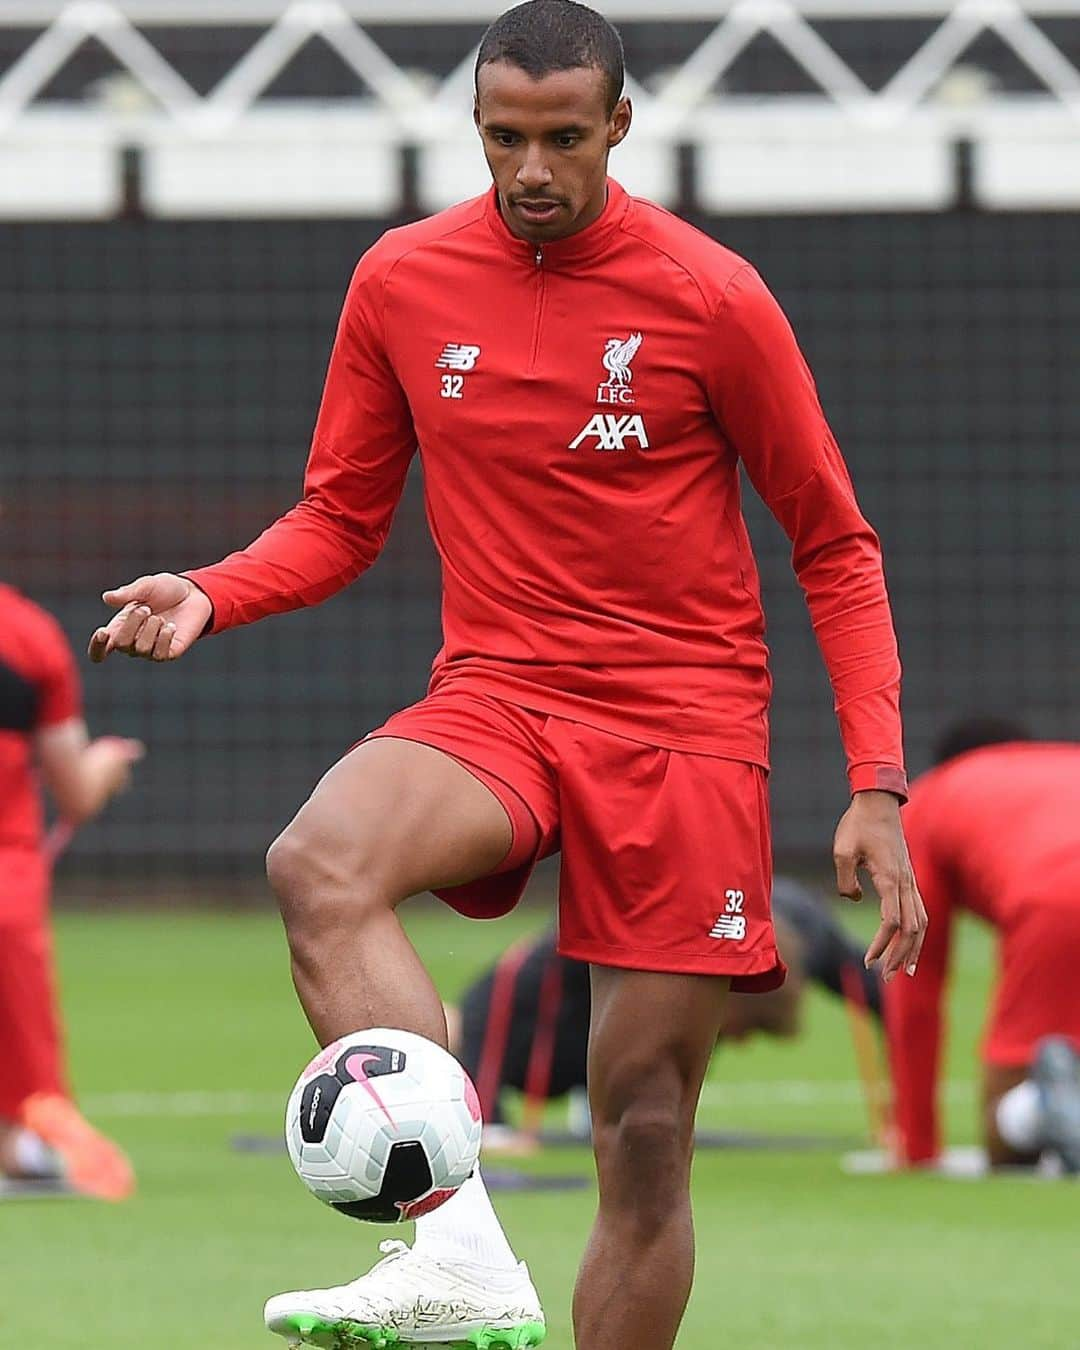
point(159, 618)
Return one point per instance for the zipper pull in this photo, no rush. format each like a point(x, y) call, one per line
point(539, 256)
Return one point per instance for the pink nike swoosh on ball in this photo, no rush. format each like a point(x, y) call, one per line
point(356, 1066)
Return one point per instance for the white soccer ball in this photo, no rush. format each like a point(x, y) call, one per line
point(383, 1125)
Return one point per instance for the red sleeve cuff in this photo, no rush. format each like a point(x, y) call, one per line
point(879, 778)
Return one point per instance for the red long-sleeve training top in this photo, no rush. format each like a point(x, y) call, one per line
point(580, 411)
point(995, 832)
point(39, 688)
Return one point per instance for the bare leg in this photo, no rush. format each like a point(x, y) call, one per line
point(649, 1046)
point(997, 1080)
point(9, 1166)
point(393, 818)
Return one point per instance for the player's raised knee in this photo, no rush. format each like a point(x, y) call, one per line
point(314, 881)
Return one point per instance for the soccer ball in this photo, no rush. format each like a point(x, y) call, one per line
point(383, 1125)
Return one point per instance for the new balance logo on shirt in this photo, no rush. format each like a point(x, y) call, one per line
point(457, 356)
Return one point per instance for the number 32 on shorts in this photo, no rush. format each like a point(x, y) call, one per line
point(452, 386)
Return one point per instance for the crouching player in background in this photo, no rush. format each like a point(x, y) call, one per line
point(525, 1022)
point(995, 829)
point(42, 732)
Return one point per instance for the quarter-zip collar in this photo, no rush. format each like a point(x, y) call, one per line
point(575, 249)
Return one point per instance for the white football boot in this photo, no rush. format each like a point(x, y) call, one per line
point(409, 1299)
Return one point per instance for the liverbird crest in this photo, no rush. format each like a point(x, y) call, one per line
point(618, 353)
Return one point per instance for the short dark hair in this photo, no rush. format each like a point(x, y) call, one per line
point(543, 36)
point(975, 732)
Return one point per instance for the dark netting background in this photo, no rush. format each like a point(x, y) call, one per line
point(158, 382)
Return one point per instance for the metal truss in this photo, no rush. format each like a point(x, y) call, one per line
point(403, 108)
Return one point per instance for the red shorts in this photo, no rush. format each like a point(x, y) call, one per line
point(1038, 992)
point(666, 861)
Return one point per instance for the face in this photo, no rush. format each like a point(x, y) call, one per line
point(547, 143)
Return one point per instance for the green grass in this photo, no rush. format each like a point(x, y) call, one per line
point(791, 1252)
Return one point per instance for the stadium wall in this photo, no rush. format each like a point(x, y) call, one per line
point(159, 379)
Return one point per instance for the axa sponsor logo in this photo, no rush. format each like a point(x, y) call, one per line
point(457, 356)
point(611, 431)
point(618, 354)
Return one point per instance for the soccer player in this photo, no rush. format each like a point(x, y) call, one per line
point(42, 732)
point(994, 829)
point(581, 373)
point(525, 1022)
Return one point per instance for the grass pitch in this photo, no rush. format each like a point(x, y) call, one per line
point(184, 1032)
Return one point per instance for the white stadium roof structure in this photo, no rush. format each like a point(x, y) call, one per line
point(361, 107)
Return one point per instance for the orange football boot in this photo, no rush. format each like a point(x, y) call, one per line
point(93, 1164)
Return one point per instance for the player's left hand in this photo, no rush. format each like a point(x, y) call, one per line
point(870, 836)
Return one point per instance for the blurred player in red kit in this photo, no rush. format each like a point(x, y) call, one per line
point(43, 735)
point(994, 829)
point(582, 374)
